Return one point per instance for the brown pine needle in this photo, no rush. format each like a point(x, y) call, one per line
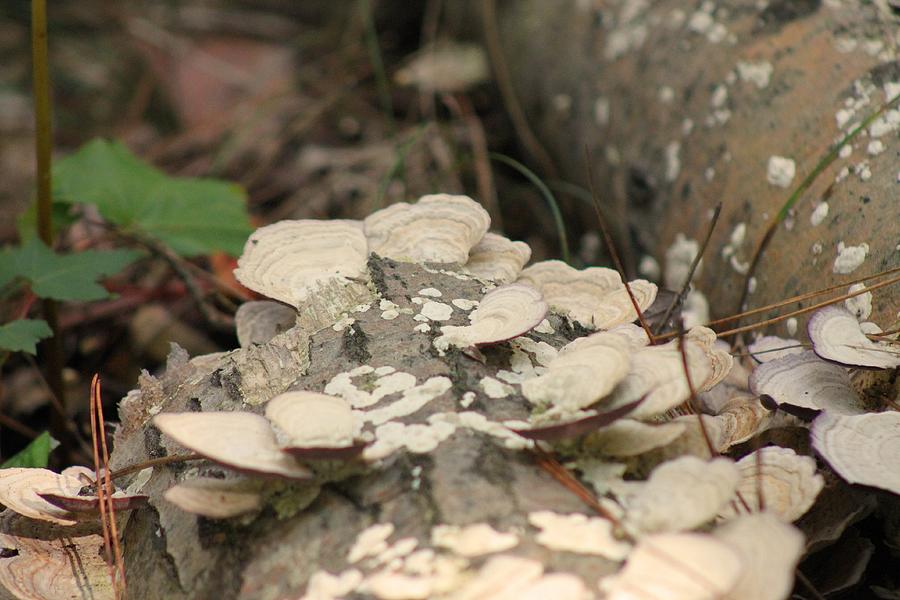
point(810, 308)
point(802, 297)
point(690, 276)
point(611, 247)
point(562, 475)
point(107, 545)
point(114, 532)
point(154, 462)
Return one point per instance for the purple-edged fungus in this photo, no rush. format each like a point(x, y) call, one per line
point(681, 494)
point(837, 336)
point(46, 561)
point(258, 321)
point(676, 566)
point(215, 498)
point(769, 550)
point(808, 381)
point(241, 441)
point(657, 373)
point(861, 449)
point(309, 425)
point(788, 482)
point(583, 372)
point(439, 228)
point(595, 297)
point(21, 489)
point(289, 260)
point(504, 313)
point(91, 504)
point(498, 259)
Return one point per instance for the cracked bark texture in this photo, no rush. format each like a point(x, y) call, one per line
point(568, 63)
point(468, 479)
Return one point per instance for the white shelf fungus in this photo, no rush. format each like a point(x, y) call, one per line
point(289, 260)
point(682, 494)
point(862, 449)
point(311, 425)
point(787, 481)
point(676, 566)
point(806, 380)
point(504, 313)
point(769, 551)
point(258, 321)
point(472, 540)
point(578, 533)
point(836, 336)
point(19, 489)
point(497, 258)
point(437, 229)
point(657, 373)
point(214, 498)
point(595, 297)
point(770, 347)
point(242, 441)
point(583, 372)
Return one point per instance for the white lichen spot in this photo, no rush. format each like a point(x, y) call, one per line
point(472, 540)
point(666, 94)
point(757, 73)
point(544, 327)
point(845, 151)
point(709, 174)
point(413, 399)
point(479, 423)
point(842, 174)
point(390, 314)
point(431, 292)
point(343, 323)
point(361, 308)
point(742, 268)
point(780, 171)
point(738, 234)
point(578, 533)
point(861, 305)
point(719, 96)
point(494, 388)
point(751, 285)
point(418, 438)
point(885, 124)
point(464, 304)
point(386, 305)
point(422, 328)
point(791, 326)
point(419, 300)
point(875, 147)
point(370, 542)
point(436, 311)
point(863, 171)
point(849, 258)
point(679, 257)
point(818, 214)
point(649, 267)
point(467, 399)
point(687, 126)
point(816, 248)
point(601, 111)
point(624, 39)
point(387, 383)
point(673, 160)
point(325, 586)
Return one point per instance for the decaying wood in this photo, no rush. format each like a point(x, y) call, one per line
point(468, 479)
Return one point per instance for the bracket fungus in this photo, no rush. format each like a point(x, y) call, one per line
point(837, 336)
point(289, 260)
point(439, 228)
point(241, 441)
point(807, 381)
point(504, 313)
point(497, 258)
point(21, 489)
point(788, 483)
point(862, 449)
point(595, 297)
point(314, 426)
point(215, 498)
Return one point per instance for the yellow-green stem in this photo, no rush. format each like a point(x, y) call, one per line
point(52, 348)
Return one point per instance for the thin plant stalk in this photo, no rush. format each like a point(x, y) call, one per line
point(52, 347)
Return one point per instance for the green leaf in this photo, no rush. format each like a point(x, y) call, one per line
point(35, 455)
point(193, 216)
point(62, 276)
point(22, 335)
